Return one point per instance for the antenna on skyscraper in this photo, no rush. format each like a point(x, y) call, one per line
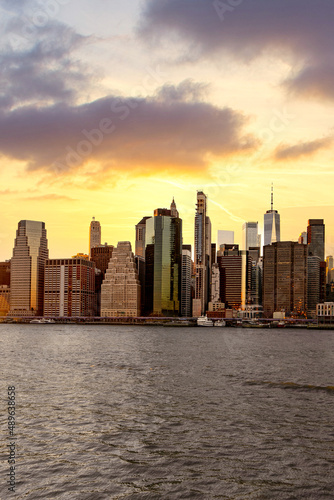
point(272, 196)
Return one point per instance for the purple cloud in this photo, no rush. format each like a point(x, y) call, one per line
point(298, 31)
point(286, 152)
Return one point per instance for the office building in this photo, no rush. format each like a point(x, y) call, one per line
point(250, 235)
point(272, 224)
point(163, 258)
point(186, 298)
point(235, 274)
point(120, 292)
point(69, 288)
point(94, 234)
point(101, 255)
point(27, 269)
point(5, 273)
point(202, 256)
point(303, 238)
point(4, 300)
point(140, 237)
point(285, 279)
point(316, 238)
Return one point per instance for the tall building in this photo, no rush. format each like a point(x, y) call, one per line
point(235, 271)
point(329, 269)
point(27, 269)
point(285, 279)
point(272, 227)
point(94, 234)
point(303, 238)
point(120, 292)
point(316, 238)
point(202, 256)
point(163, 258)
point(186, 281)
point(140, 237)
point(250, 235)
point(5, 273)
point(225, 237)
point(313, 284)
point(173, 209)
point(69, 287)
point(101, 255)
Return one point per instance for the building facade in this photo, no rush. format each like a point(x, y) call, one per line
point(27, 269)
point(316, 238)
point(120, 291)
point(163, 264)
point(250, 235)
point(186, 299)
point(235, 271)
point(69, 288)
point(285, 279)
point(202, 256)
point(140, 237)
point(94, 235)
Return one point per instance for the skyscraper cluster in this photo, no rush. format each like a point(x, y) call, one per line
point(165, 277)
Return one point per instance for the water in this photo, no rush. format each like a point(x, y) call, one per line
point(113, 412)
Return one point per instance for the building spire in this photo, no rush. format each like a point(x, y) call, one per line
point(272, 196)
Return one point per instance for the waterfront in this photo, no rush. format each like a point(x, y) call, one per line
point(111, 412)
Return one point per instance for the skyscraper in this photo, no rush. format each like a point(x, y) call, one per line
point(120, 292)
point(316, 238)
point(186, 281)
point(27, 269)
point(202, 256)
point(250, 235)
point(163, 263)
point(225, 237)
point(140, 237)
point(69, 287)
point(285, 278)
point(272, 228)
point(235, 273)
point(94, 235)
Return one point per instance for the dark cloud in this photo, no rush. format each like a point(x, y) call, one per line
point(116, 133)
point(298, 31)
point(286, 152)
point(37, 61)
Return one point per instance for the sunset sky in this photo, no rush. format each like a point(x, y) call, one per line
point(109, 108)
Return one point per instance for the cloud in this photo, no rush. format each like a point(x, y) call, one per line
point(37, 62)
point(169, 130)
point(286, 152)
point(301, 33)
point(49, 197)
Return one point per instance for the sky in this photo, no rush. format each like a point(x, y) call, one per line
point(111, 108)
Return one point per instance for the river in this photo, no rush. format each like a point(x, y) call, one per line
point(149, 412)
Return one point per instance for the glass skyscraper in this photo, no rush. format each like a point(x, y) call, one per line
point(27, 269)
point(163, 277)
point(272, 224)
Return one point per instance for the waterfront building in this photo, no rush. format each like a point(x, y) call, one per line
point(235, 274)
point(120, 291)
point(285, 279)
point(316, 238)
point(272, 224)
point(4, 300)
point(186, 281)
point(94, 234)
point(215, 284)
point(250, 235)
point(69, 288)
point(202, 256)
point(313, 284)
point(27, 269)
point(325, 313)
point(140, 237)
point(5, 273)
point(163, 258)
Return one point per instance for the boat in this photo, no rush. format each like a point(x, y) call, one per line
point(220, 322)
point(42, 321)
point(204, 321)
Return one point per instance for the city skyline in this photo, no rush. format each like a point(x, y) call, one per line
point(105, 116)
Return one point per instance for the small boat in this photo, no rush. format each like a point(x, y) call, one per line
point(220, 322)
point(42, 321)
point(204, 321)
